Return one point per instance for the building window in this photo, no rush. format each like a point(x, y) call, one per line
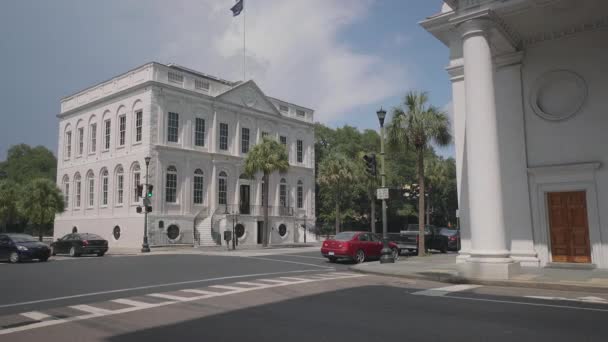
point(80, 140)
point(120, 183)
point(122, 129)
point(91, 182)
point(78, 186)
point(66, 191)
point(171, 186)
point(222, 188)
point(104, 187)
point(284, 143)
point(136, 182)
point(198, 186)
point(108, 126)
point(139, 118)
point(172, 127)
point(74, 230)
point(283, 193)
point(264, 135)
point(68, 145)
point(201, 85)
point(176, 78)
point(283, 108)
point(199, 132)
point(300, 195)
point(245, 140)
point(282, 230)
point(223, 136)
point(263, 192)
point(300, 112)
point(93, 135)
point(173, 232)
point(300, 149)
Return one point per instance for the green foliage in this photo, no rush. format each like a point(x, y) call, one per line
point(24, 163)
point(337, 174)
point(9, 195)
point(40, 200)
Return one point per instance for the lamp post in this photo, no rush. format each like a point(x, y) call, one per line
point(387, 253)
point(235, 217)
point(145, 248)
point(305, 228)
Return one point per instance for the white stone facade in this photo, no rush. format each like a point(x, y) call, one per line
point(188, 154)
point(529, 93)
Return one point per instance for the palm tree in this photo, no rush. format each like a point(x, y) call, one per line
point(9, 195)
point(436, 177)
point(337, 173)
point(266, 157)
point(40, 201)
point(416, 126)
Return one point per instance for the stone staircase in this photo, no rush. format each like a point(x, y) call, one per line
point(203, 231)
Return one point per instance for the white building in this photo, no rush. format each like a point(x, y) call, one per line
point(197, 129)
point(530, 95)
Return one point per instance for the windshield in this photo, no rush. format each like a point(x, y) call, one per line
point(448, 232)
point(344, 236)
point(22, 238)
point(90, 237)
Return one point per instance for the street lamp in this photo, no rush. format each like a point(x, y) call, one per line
point(305, 228)
point(145, 248)
point(387, 253)
point(235, 217)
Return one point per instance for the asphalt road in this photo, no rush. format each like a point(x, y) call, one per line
point(295, 297)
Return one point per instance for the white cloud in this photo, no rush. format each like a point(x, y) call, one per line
point(294, 50)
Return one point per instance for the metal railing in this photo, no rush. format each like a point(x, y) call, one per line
point(253, 210)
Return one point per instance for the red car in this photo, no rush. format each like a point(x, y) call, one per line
point(357, 246)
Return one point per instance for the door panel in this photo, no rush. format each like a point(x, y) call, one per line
point(569, 227)
point(244, 207)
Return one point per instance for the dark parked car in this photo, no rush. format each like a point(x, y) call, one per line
point(77, 244)
point(19, 247)
point(408, 239)
point(453, 236)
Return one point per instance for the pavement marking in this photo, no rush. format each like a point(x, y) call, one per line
point(136, 306)
point(293, 279)
point(293, 262)
point(201, 292)
point(35, 315)
point(274, 281)
point(167, 296)
point(442, 291)
point(522, 303)
point(304, 256)
point(152, 286)
point(230, 288)
point(248, 283)
point(590, 299)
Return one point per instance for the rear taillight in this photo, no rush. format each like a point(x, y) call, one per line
point(85, 242)
point(339, 245)
point(325, 244)
point(452, 238)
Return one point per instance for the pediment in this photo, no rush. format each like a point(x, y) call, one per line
point(248, 94)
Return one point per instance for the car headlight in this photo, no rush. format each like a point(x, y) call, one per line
point(22, 248)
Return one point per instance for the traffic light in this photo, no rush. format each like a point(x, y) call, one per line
point(140, 190)
point(370, 164)
point(148, 209)
point(149, 191)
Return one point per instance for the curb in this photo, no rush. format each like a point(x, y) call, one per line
point(451, 279)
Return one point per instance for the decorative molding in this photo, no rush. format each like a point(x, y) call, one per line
point(544, 92)
point(497, 24)
point(570, 31)
point(564, 168)
point(456, 70)
point(508, 59)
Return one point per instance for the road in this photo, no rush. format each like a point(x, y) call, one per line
point(295, 297)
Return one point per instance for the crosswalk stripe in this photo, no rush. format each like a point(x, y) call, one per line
point(91, 309)
point(231, 288)
point(131, 302)
point(294, 279)
point(201, 292)
point(167, 296)
point(273, 281)
point(248, 283)
point(442, 291)
point(35, 315)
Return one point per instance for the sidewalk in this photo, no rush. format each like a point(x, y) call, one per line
point(443, 268)
point(219, 250)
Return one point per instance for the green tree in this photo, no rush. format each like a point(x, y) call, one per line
point(337, 174)
point(40, 201)
point(24, 163)
point(9, 195)
point(416, 126)
point(267, 157)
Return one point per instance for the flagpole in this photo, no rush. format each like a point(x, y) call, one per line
point(244, 29)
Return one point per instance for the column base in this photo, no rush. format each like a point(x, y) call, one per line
point(463, 257)
point(490, 268)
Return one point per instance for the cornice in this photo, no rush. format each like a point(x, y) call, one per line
point(570, 31)
point(498, 24)
point(552, 169)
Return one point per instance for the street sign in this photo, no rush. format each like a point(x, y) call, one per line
point(382, 193)
point(457, 213)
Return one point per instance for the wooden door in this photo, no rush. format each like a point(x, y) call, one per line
point(569, 227)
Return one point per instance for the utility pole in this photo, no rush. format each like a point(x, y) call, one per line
point(145, 248)
point(387, 253)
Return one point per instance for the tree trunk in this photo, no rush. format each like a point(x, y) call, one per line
point(428, 208)
point(40, 227)
point(337, 215)
point(421, 235)
point(373, 214)
point(265, 231)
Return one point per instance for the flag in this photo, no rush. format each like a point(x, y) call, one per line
point(237, 8)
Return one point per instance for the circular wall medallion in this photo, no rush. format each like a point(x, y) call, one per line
point(116, 232)
point(249, 98)
point(282, 230)
point(558, 95)
point(75, 230)
point(239, 230)
point(173, 232)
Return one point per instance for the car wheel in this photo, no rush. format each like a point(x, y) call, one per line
point(53, 253)
point(73, 252)
point(444, 247)
point(333, 260)
point(101, 254)
point(44, 259)
point(360, 256)
point(13, 258)
point(395, 252)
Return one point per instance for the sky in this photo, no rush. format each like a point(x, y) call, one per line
point(343, 58)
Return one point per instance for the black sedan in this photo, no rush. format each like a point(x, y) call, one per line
point(453, 236)
point(77, 244)
point(19, 247)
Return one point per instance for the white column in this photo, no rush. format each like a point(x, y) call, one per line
point(488, 236)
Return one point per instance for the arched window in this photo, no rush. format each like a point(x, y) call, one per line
point(222, 188)
point(77, 189)
point(171, 185)
point(67, 143)
point(300, 195)
point(263, 187)
point(104, 187)
point(120, 185)
point(136, 181)
point(198, 186)
point(283, 193)
point(91, 189)
point(66, 191)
